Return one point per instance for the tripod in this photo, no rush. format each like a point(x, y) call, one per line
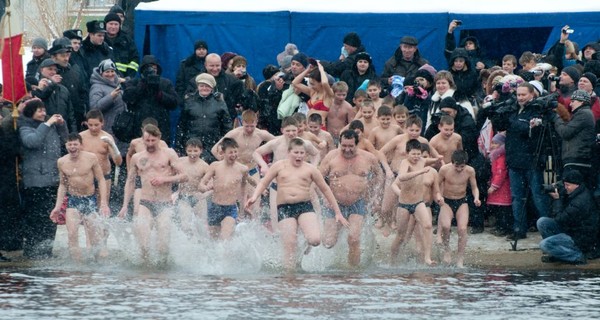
point(546, 141)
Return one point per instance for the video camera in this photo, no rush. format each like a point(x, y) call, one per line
point(558, 185)
point(151, 76)
point(546, 103)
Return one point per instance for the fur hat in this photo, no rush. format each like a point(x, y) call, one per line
point(207, 79)
point(60, 45)
point(573, 176)
point(106, 65)
point(364, 56)
point(301, 58)
point(269, 71)
point(581, 95)
point(573, 73)
point(352, 39)
point(112, 17)
point(40, 42)
point(95, 26)
point(592, 77)
point(200, 44)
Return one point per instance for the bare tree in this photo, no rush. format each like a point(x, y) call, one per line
point(49, 18)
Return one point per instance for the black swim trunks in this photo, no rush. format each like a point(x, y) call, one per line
point(154, 207)
point(86, 205)
point(293, 210)
point(217, 212)
point(359, 208)
point(454, 204)
point(411, 208)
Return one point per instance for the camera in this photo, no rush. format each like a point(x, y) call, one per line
point(458, 22)
point(546, 103)
point(549, 188)
point(569, 31)
point(554, 78)
point(312, 61)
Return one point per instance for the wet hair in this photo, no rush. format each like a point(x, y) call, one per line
point(74, 136)
point(413, 144)
point(295, 142)
point(384, 111)
point(249, 116)
point(149, 120)
point(425, 148)
point(349, 134)
point(445, 75)
point(32, 106)
point(356, 124)
point(460, 157)
point(194, 142)
point(374, 83)
point(94, 114)
point(340, 86)
point(315, 117)
point(446, 119)
point(414, 119)
point(527, 85)
point(228, 143)
point(299, 117)
point(388, 100)
point(289, 121)
point(400, 109)
point(367, 103)
point(152, 130)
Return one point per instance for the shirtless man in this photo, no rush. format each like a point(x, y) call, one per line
point(396, 150)
point(101, 143)
point(386, 130)
point(408, 186)
point(191, 201)
point(229, 179)
point(279, 148)
point(446, 141)
point(315, 121)
point(454, 178)
point(355, 178)
point(137, 145)
point(78, 169)
point(364, 144)
point(158, 168)
point(294, 177)
point(341, 112)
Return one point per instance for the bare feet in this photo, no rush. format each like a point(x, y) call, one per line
point(460, 263)
point(447, 259)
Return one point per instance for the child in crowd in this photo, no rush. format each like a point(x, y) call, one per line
point(314, 126)
point(367, 111)
point(386, 130)
point(499, 198)
point(446, 141)
point(373, 91)
point(400, 114)
point(509, 63)
point(341, 112)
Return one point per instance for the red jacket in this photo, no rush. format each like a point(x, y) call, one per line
point(499, 180)
point(595, 107)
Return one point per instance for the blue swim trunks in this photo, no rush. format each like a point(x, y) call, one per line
point(359, 208)
point(253, 171)
point(217, 212)
point(86, 205)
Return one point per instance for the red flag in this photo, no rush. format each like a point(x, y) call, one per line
point(13, 77)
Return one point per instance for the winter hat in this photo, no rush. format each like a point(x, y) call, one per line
point(573, 73)
point(117, 9)
point(448, 102)
point(592, 77)
point(60, 45)
point(364, 56)
point(539, 87)
point(581, 95)
point(48, 63)
point(207, 79)
point(424, 74)
point(573, 176)
point(40, 42)
point(95, 26)
point(499, 138)
point(225, 57)
point(200, 44)
point(410, 40)
point(301, 58)
point(429, 68)
point(352, 39)
point(269, 71)
point(106, 65)
point(73, 34)
point(112, 17)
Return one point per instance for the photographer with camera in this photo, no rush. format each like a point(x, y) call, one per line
point(525, 163)
point(578, 136)
point(571, 233)
point(151, 96)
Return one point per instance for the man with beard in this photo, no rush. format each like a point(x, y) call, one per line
point(355, 178)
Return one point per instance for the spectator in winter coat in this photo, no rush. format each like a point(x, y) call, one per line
point(360, 71)
point(190, 68)
point(93, 48)
point(55, 96)
point(39, 47)
point(125, 53)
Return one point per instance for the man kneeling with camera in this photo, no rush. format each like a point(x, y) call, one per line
point(571, 234)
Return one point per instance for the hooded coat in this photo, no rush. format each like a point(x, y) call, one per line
point(101, 99)
point(354, 79)
point(466, 80)
point(337, 68)
point(145, 99)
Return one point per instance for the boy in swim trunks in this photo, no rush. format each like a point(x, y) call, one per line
point(78, 169)
point(446, 141)
point(454, 178)
point(341, 112)
point(408, 186)
point(356, 180)
point(191, 201)
point(158, 169)
point(294, 177)
point(229, 179)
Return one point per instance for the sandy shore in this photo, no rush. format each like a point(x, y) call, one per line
point(484, 251)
